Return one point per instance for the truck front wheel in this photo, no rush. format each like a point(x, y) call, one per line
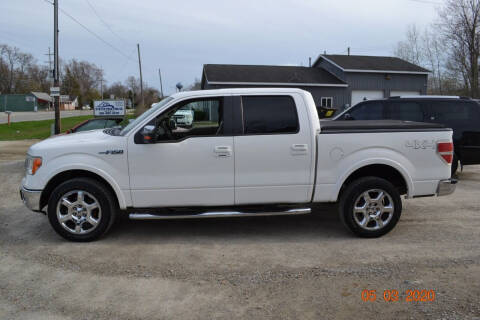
point(81, 209)
point(370, 207)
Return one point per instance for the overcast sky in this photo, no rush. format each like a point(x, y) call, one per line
point(180, 36)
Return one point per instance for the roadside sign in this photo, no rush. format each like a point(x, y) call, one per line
point(64, 98)
point(54, 91)
point(109, 108)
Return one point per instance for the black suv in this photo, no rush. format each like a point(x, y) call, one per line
point(460, 114)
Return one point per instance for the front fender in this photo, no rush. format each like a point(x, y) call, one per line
point(111, 168)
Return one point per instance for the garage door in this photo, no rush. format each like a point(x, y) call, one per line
point(404, 93)
point(361, 95)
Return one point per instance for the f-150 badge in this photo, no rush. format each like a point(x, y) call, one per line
point(111, 152)
point(420, 144)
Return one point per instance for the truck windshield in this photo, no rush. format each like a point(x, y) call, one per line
point(145, 115)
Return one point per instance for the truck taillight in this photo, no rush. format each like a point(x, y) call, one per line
point(445, 150)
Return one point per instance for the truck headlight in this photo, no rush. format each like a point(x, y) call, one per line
point(32, 164)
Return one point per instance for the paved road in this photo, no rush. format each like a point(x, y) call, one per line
point(41, 115)
point(302, 267)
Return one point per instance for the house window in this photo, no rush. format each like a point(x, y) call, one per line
point(326, 102)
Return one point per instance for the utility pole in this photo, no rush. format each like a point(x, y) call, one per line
point(56, 70)
point(161, 86)
point(49, 54)
point(348, 50)
point(101, 86)
point(141, 78)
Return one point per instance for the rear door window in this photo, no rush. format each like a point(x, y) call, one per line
point(405, 110)
point(269, 115)
point(454, 111)
point(368, 111)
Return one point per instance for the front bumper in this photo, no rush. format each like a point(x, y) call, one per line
point(31, 198)
point(446, 187)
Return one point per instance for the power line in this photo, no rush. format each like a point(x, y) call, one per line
point(128, 60)
point(103, 21)
point(90, 31)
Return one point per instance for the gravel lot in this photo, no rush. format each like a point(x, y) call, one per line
point(303, 267)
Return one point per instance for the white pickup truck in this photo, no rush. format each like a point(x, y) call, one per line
point(257, 152)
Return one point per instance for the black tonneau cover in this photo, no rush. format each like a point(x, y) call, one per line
point(358, 126)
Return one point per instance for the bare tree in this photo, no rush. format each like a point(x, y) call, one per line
point(459, 26)
point(432, 51)
point(196, 85)
point(434, 59)
point(151, 95)
point(118, 90)
point(10, 57)
point(82, 79)
point(410, 49)
point(19, 71)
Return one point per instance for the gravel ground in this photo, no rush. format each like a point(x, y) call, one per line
point(302, 267)
point(15, 150)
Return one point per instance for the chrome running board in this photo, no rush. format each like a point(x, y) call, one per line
point(216, 214)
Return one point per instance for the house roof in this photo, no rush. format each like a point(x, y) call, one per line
point(353, 63)
point(269, 75)
point(42, 96)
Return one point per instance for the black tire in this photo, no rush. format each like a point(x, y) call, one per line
point(107, 205)
point(352, 194)
point(454, 164)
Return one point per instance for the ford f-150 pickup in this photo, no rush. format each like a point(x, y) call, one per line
point(255, 152)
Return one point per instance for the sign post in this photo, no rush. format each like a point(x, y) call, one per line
point(8, 114)
point(54, 91)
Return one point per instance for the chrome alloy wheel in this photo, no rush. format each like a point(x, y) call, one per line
point(78, 212)
point(373, 209)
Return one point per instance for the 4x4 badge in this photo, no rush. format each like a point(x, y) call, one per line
point(420, 144)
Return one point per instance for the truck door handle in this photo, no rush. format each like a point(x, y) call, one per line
point(223, 151)
point(299, 148)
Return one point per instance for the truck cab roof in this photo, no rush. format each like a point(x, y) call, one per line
point(186, 94)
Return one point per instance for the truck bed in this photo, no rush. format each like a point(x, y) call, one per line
point(409, 147)
point(359, 126)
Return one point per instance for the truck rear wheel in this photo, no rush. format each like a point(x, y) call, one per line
point(81, 209)
point(370, 207)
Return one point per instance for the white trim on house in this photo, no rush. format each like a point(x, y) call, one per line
point(326, 99)
point(385, 71)
point(280, 84)
point(369, 71)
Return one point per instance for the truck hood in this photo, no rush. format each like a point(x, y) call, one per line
point(82, 142)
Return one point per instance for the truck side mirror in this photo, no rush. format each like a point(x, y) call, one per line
point(172, 125)
point(148, 134)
